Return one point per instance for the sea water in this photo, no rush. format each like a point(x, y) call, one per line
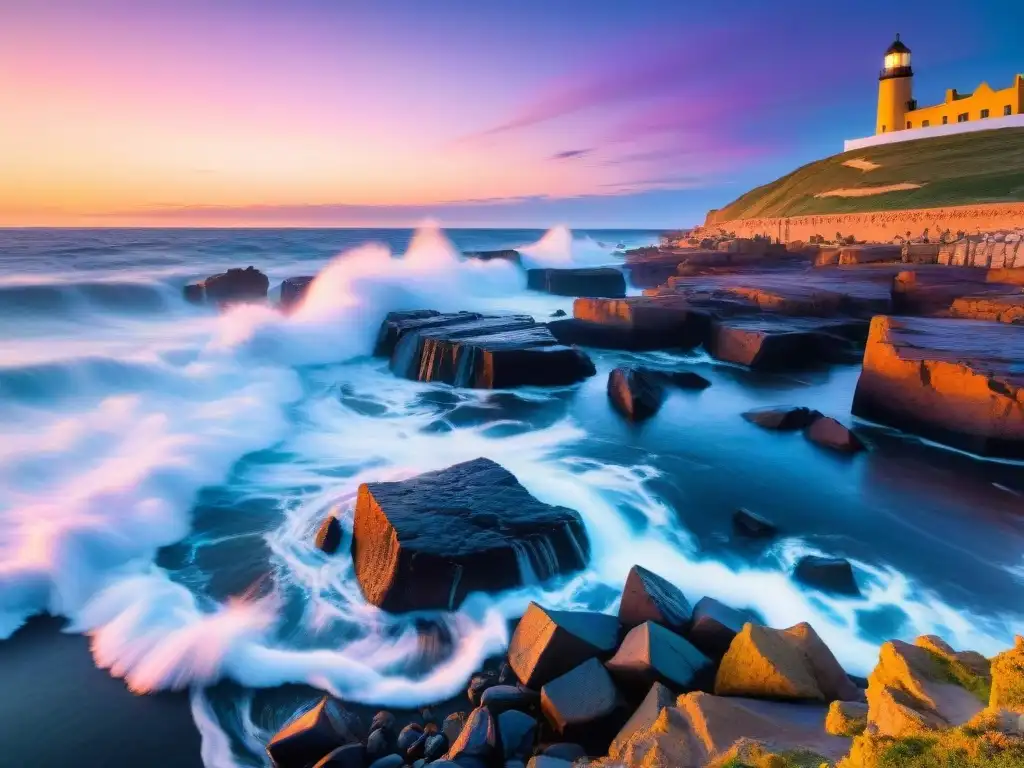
point(164, 468)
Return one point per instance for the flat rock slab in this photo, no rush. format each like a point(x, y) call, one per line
point(635, 323)
point(958, 382)
point(427, 542)
point(599, 282)
point(478, 351)
point(996, 307)
point(784, 343)
point(547, 644)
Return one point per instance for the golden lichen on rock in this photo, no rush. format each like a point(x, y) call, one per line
point(1008, 678)
point(753, 754)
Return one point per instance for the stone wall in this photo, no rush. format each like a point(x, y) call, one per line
point(879, 226)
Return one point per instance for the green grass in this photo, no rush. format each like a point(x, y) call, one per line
point(959, 674)
point(925, 752)
point(966, 169)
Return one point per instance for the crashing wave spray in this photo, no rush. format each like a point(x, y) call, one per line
point(559, 249)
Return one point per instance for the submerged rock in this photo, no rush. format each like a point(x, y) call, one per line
point(957, 382)
point(829, 433)
point(646, 596)
point(829, 574)
point(602, 282)
point(427, 542)
point(634, 393)
point(507, 254)
point(752, 525)
point(782, 418)
point(234, 286)
point(547, 644)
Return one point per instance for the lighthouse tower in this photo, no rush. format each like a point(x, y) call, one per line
point(895, 89)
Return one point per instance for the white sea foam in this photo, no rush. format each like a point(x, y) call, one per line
point(559, 249)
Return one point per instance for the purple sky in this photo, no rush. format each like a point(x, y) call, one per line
point(374, 112)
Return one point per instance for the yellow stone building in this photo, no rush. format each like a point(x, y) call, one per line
point(898, 110)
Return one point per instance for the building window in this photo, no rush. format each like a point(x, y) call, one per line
point(925, 123)
point(984, 114)
point(909, 125)
point(1007, 110)
point(945, 119)
point(962, 117)
point(883, 129)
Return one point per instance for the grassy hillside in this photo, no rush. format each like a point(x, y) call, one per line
point(966, 169)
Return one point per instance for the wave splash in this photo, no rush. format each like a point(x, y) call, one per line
point(559, 249)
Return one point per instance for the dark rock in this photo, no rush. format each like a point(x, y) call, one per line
point(650, 653)
point(293, 289)
point(479, 738)
point(828, 574)
point(829, 433)
point(604, 282)
point(583, 706)
point(715, 625)
point(501, 698)
point(637, 323)
point(408, 737)
point(565, 751)
point(752, 525)
point(236, 285)
point(419, 747)
point(546, 761)
point(782, 343)
point(478, 684)
point(383, 719)
point(307, 738)
point(558, 313)
point(506, 675)
point(646, 596)
point(507, 254)
point(650, 267)
point(194, 293)
point(349, 756)
point(957, 382)
point(547, 644)
point(452, 726)
point(381, 743)
point(468, 528)
point(490, 352)
point(657, 698)
point(782, 417)
point(683, 379)
point(328, 537)
point(435, 747)
point(518, 733)
point(634, 393)
point(388, 761)
point(397, 323)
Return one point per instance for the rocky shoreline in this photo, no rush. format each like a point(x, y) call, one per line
point(665, 683)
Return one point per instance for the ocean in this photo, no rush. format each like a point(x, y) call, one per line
point(164, 468)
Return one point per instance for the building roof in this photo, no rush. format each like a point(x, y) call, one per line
point(897, 47)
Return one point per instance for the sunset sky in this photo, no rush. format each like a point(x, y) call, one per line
point(485, 113)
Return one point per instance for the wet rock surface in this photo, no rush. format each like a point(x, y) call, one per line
point(231, 287)
point(829, 433)
point(599, 282)
point(467, 349)
point(328, 536)
point(828, 574)
point(957, 382)
point(714, 626)
point(782, 418)
point(584, 706)
point(494, 536)
point(752, 525)
point(635, 393)
point(293, 290)
point(647, 596)
point(652, 654)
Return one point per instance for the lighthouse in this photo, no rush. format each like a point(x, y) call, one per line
point(895, 89)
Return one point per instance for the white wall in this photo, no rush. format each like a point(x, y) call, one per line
point(893, 137)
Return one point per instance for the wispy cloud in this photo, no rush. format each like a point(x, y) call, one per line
point(571, 154)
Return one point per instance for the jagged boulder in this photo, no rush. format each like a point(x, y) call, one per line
point(916, 689)
point(306, 739)
point(782, 417)
point(602, 282)
point(478, 739)
point(714, 626)
point(647, 596)
point(584, 706)
point(328, 536)
point(548, 644)
point(658, 698)
point(634, 393)
point(650, 653)
point(789, 664)
point(427, 542)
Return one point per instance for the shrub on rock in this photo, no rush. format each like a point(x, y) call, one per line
point(548, 644)
point(782, 664)
point(647, 596)
point(650, 653)
point(429, 541)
